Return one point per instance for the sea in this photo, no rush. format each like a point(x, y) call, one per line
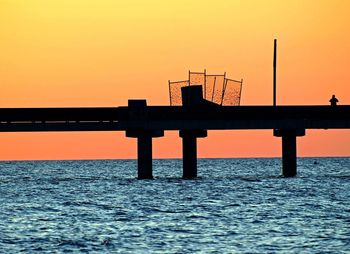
point(234, 206)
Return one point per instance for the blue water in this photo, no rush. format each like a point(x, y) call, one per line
point(236, 205)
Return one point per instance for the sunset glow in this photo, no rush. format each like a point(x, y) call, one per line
point(78, 53)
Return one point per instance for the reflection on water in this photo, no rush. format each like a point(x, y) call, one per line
point(236, 205)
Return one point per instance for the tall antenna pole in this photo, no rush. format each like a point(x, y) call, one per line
point(274, 71)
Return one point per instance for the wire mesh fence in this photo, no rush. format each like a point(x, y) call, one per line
point(197, 78)
point(232, 92)
point(175, 92)
point(216, 88)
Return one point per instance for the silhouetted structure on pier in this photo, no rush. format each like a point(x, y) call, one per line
point(216, 88)
point(192, 120)
point(203, 102)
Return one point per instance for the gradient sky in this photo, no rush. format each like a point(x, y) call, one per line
point(102, 52)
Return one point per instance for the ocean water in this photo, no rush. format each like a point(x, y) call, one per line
point(235, 206)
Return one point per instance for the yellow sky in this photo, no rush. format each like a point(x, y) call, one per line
point(103, 52)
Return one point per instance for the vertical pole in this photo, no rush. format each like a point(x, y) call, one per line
point(144, 156)
point(205, 84)
point(170, 92)
point(289, 154)
point(189, 150)
point(274, 71)
point(212, 97)
point(240, 93)
point(223, 88)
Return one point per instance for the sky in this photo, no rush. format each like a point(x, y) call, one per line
point(78, 53)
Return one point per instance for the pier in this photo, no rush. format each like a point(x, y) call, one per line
point(144, 123)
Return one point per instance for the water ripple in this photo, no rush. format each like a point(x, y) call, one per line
point(237, 205)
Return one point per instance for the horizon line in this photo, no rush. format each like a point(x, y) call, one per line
point(177, 158)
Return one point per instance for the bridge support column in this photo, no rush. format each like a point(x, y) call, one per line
point(144, 157)
point(144, 151)
point(138, 117)
point(289, 155)
point(189, 151)
point(289, 149)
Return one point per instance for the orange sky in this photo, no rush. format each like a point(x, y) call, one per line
point(103, 52)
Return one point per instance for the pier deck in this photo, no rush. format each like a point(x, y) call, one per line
point(147, 122)
point(174, 118)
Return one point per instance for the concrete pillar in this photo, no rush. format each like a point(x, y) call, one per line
point(289, 149)
point(144, 150)
point(189, 151)
point(144, 156)
point(289, 155)
point(138, 118)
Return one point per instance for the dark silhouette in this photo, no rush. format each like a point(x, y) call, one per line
point(192, 120)
point(217, 89)
point(274, 71)
point(333, 101)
